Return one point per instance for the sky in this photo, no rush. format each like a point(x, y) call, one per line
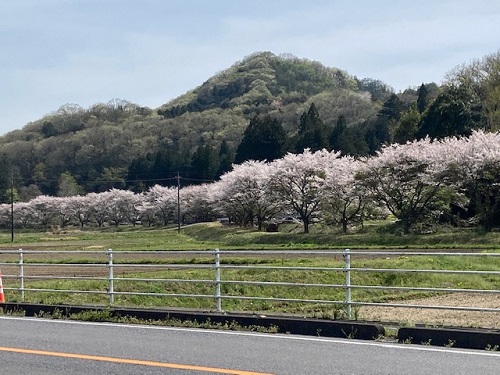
point(148, 52)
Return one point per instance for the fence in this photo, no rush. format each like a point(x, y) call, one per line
point(95, 273)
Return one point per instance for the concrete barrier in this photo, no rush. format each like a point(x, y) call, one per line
point(283, 324)
point(471, 338)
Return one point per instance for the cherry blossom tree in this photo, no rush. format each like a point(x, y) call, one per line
point(100, 212)
point(122, 206)
point(163, 201)
point(223, 207)
point(44, 210)
point(196, 203)
point(298, 182)
point(23, 214)
point(244, 193)
point(147, 212)
point(63, 211)
point(344, 196)
point(406, 179)
point(474, 165)
point(414, 181)
point(5, 210)
point(81, 207)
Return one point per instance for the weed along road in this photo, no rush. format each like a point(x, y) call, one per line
point(32, 346)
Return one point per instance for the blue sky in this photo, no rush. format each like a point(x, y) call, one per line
point(55, 52)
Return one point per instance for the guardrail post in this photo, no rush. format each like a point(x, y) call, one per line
point(347, 271)
point(21, 273)
point(110, 277)
point(218, 303)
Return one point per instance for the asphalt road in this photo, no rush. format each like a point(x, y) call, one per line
point(32, 346)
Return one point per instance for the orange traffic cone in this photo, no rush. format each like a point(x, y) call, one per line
point(2, 296)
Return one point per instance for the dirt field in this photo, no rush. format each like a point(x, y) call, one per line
point(412, 316)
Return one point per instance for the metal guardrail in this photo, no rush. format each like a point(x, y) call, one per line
point(106, 269)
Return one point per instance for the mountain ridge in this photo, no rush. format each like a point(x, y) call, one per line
point(118, 143)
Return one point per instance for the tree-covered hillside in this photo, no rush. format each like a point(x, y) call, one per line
point(259, 108)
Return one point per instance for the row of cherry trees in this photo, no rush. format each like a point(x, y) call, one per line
point(416, 182)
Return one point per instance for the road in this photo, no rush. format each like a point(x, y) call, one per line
point(31, 346)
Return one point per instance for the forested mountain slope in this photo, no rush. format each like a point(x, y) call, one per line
point(297, 102)
point(97, 145)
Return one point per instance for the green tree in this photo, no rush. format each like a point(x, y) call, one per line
point(139, 172)
point(483, 77)
point(408, 125)
point(11, 195)
point(162, 168)
point(422, 100)
point(353, 142)
point(5, 173)
point(204, 163)
point(226, 158)
point(313, 133)
point(455, 112)
point(110, 178)
point(68, 186)
point(336, 138)
point(381, 131)
point(262, 140)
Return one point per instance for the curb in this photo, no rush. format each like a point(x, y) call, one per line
point(297, 326)
point(292, 325)
point(469, 338)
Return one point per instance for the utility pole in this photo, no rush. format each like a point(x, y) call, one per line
point(178, 203)
point(11, 207)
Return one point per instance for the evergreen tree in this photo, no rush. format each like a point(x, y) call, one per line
point(455, 112)
point(226, 158)
point(353, 142)
point(348, 140)
point(422, 99)
point(336, 138)
point(162, 169)
point(262, 140)
point(139, 172)
point(408, 125)
point(313, 133)
point(392, 108)
point(204, 163)
point(385, 124)
point(5, 174)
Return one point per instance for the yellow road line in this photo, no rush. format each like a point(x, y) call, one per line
point(131, 361)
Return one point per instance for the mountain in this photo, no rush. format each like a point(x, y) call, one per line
point(280, 86)
point(267, 84)
point(97, 146)
point(262, 102)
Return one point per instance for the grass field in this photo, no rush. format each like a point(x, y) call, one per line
point(374, 235)
point(208, 236)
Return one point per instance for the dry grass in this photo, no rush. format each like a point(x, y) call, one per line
point(412, 316)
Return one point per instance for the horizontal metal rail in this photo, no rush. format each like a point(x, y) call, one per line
point(65, 291)
point(404, 270)
point(259, 253)
point(222, 263)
